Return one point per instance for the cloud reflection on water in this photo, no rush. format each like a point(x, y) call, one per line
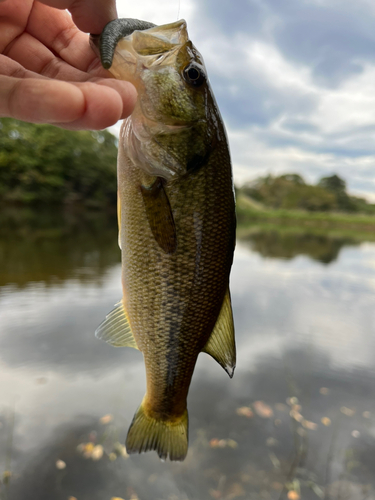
point(212, 406)
point(301, 325)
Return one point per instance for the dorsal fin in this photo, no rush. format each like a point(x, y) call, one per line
point(115, 329)
point(159, 215)
point(221, 344)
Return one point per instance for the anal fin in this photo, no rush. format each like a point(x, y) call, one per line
point(115, 329)
point(221, 344)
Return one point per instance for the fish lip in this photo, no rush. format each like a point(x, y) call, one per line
point(94, 41)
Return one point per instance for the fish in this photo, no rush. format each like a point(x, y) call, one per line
point(177, 223)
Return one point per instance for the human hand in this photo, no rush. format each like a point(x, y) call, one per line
point(49, 73)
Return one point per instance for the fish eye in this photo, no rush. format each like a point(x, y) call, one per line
point(194, 75)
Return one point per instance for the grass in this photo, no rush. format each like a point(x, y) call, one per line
point(251, 216)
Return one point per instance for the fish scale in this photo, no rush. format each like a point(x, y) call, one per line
point(142, 258)
point(177, 227)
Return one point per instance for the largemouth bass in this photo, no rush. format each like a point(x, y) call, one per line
point(176, 214)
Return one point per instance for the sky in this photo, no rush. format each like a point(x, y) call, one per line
point(294, 80)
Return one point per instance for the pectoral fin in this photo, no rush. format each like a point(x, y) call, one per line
point(221, 344)
point(159, 215)
point(115, 329)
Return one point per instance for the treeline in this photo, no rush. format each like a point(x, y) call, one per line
point(290, 191)
point(42, 164)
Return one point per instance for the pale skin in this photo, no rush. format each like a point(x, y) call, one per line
point(49, 73)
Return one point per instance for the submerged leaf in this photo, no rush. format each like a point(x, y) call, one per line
point(309, 425)
point(232, 443)
point(349, 412)
point(293, 495)
point(281, 407)
point(292, 401)
point(214, 443)
point(275, 461)
point(262, 409)
point(272, 441)
point(296, 415)
point(245, 411)
point(277, 486)
point(106, 419)
point(223, 443)
point(236, 490)
point(6, 476)
point(120, 450)
point(215, 493)
point(97, 452)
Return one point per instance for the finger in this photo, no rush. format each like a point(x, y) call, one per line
point(40, 100)
point(34, 56)
point(55, 29)
point(13, 17)
point(101, 12)
point(104, 107)
point(8, 67)
point(73, 106)
point(89, 15)
point(125, 90)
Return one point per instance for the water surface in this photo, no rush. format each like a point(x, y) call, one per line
point(296, 421)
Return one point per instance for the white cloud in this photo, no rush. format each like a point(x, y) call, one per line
point(252, 158)
point(160, 12)
point(329, 309)
point(269, 63)
point(350, 106)
point(280, 117)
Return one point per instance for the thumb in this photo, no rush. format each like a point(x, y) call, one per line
point(91, 16)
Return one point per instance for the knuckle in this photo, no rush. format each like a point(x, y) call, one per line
point(52, 68)
point(63, 39)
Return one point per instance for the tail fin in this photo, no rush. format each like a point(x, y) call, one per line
point(167, 438)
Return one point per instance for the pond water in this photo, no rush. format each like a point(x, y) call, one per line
point(296, 421)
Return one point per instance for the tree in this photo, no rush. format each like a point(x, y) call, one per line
point(290, 191)
point(333, 183)
point(293, 178)
point(45, 164)
point(337, 186)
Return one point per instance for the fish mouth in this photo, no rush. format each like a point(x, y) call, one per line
point(94, 41)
